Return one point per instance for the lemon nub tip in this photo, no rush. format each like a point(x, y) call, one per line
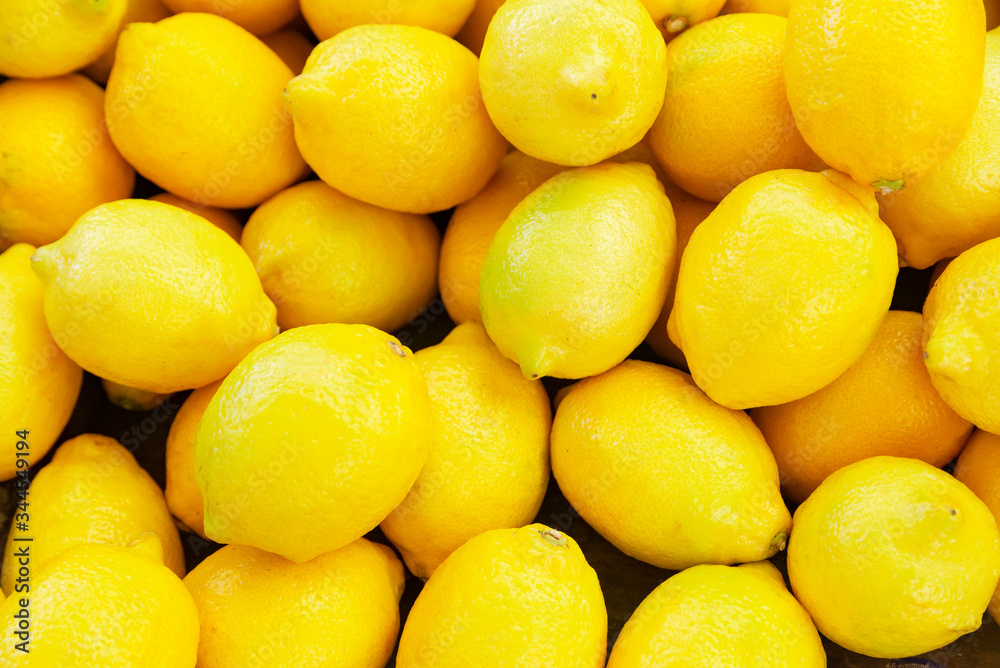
point(554, 537)
point(675, 24)
point(887, 186)
point(780, 541)
point(396, 348)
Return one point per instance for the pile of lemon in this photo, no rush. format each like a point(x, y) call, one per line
point(737, 186)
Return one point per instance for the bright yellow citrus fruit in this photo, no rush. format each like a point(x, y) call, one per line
point(573, 81)
point(488, 466)
point(147, 11)
point(107, 606)
point(674, 16)
point(152, 297)
point(56, 159)
point(689, 211)
point(392, 115)
point(578, 272)
point(885, 91)
point(39, 384)
point(130, 398)
point(954, 207)
point(978, 467)
point(312, 440)
point(93, 491)
point(48, 39)
point(782, 287)
point(473, 32)
point(194, 103)
point(325, 257)
point(509, 597)
point(339, 609)
point(182, 494)
point(330, 17)
point(291, 46)
point(710, 616)
point(221, 218)
point(893, 557)
point(962, 335)
point(776, 7)
point(725, 116)
point(257, 16)
point(641, 453)
point(884, 404)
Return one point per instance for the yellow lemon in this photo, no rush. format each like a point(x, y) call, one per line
point(130, 398)
point(392, 115)
point(291, 46)
point(664, 473)
point(93, 491)
point(473, 32)
point(182, 494)
point(782, 287)
point(194, 103)
point(330, 17)
point(710, 616)
point(884, 404)
point(221, 218)
point(893, 557)
point(56, 160)
point(312, 440)
point(152, 297)
point(886, 90)
point(107, 606)
point(488, 466)
point(578, 273)
point(325, 257)
point(992, 14)
point(954, 207)
point(48, 39)
point(39, 384)
point(509, 597)
point(776, 7)
point(689, 211)
point(339, 609)
point(978, 467)
point(674, 16)
point(474, 224)
point(257, 16)
point(725, 116)
point(962, 335)
point(147, 11)
point(573, 81)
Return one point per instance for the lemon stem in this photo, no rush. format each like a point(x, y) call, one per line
point(885, 186)
point(675, 23)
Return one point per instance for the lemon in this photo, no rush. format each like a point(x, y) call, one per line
point(509, 597)
point(340, 609)
point(473, 225)
point(782, 287)
point(182, 494)
point(893, 557)
point(578, 272)
point(392, 115)
point(194, 103)
point(665, 474)
point(488, 466)
point(48, 39)
point(884, 404)
point(56, 160)
point(725, 116)
point(674, 16)
point(130, 398)
point(148, 11)
point(978, 467)
point(689, 212)
point(954, 206)
point(39, 385)
point(329, 17)
point(709, 616)
point(104, 605)
point(572, 81)
point(152, 297)
point(962, 336)
point(473, 32)
point(291, 46)
point(312, 440)
point(885, 91)
point(776, 7)
point(221, 218)
point(257, 16)
point(93, 491)
point(325, 257)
